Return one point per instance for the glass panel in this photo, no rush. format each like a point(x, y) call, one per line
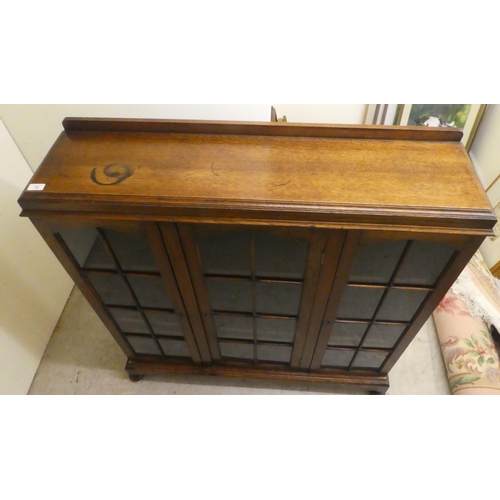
point(132, 251)
point(359, 303)
point(176, 348)
point(230, 295)
point(111, 288)
point(278, 256)
point(338, 358)
point(150, 292)
point(278, 298)
point(164, 324)
point(369, 360)
point(129, 321)
point(276, 330)
point(82, 243)
point(384, 336)
point(273, 353)
point(235, 350)
point(144, 345)
point(424, 263)
point(347, 334)
point(376, 262)
point(226, 253)
point(234, 327)
point(99, 258)
point(401, 305)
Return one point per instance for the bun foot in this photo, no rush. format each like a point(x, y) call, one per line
point(135, 377)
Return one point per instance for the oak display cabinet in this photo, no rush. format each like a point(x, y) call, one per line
point(281, 251)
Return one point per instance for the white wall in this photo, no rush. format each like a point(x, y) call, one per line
point(35, 127)
point(485, 153)
point(33, 285)
point(352, 114)
point(485, 150)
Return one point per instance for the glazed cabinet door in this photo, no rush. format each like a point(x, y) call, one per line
point(125, 273)
point(386, 287)
point(255, 287)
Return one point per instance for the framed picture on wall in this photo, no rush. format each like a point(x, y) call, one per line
point(464, 116)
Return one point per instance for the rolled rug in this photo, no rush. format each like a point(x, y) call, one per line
point(464, 320)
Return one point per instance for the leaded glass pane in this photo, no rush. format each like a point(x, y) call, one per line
point(359, 303)
point(384, 336)
point(230, 295)
point(234, 327)
point(150, 292)
point(375, 262)
point(129, 320)
point(111, 288)
point(401, 305)
point(164, 323)
point(280, 256)
point(144, 345)
point(276, 330)
point(370, 360)
point(347, 334)
point(226, 252)
point(424, 263)
point(336, 358)
point(273, 353)
point(175, 348)
point(236, 350)
point(278, 298)
point(132, 251)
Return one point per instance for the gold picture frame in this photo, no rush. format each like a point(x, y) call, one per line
point(464, 116)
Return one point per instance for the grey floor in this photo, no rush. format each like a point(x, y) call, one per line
point(83, 358)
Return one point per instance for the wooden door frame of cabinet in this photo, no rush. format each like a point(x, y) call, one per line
point(315, 267)
point(331, 256)
point(444, 283)
point(317, 240)
point(72, 268)
point(172, 242)
point(167, 273)
point(332, 303)
point(194, 264)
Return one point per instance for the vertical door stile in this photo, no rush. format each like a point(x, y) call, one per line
point(329, 267)
point(341, 276)
point(175, 251)
point(314, 264)
point(193, 260)
point(167, 273)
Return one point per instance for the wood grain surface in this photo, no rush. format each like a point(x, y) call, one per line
point(235, 176)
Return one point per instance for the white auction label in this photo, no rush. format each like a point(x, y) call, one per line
point(36, 187)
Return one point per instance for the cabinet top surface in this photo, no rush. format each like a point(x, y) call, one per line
point(211, 165)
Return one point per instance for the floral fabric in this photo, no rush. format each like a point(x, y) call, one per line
point(462, 321)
